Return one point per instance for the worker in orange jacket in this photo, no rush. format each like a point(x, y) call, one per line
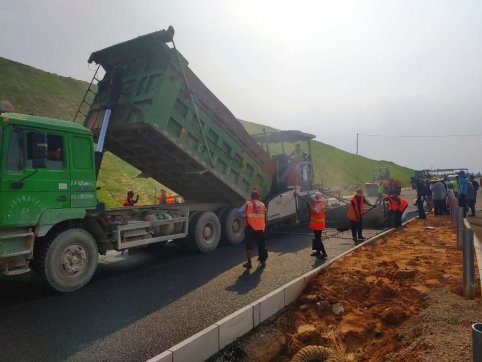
point(397, 206)
point(356, 210)
point(162, 197)
point(254, 212)
point(317, 224)
point(165, 199)
point(129, 200)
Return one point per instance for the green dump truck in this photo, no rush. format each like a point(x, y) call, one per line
point(152, 111)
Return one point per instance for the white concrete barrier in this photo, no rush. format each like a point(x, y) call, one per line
point(235, 325)
point(294, 289)
point(256, 316)
point(197, 348)
point(163, 357)
point(478, 255)
point(271, 304)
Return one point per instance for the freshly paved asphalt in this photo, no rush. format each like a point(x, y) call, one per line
point(138, 306)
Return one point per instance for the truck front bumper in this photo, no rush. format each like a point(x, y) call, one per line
point(16, 250)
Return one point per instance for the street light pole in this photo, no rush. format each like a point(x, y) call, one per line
point(357, 144)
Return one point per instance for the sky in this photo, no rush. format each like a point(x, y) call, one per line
point(330, 68)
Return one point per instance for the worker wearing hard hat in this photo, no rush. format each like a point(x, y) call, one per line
point(356, 210)
point(317, 224)
point(254, 212)
point(397, 206)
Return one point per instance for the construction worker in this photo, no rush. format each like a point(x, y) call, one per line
point(462, 191)
point(254, 212)
point(476, 186)
point(397, 206)
point(162, 197)
point(355, 214)
point(422, 193)
point(129, 200)
point(456, 187)
point(317, 224)
point(439, 194)
point(297, 154)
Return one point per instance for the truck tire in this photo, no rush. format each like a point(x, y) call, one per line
point(232, 227)
point(205, 232)
point(68, 260)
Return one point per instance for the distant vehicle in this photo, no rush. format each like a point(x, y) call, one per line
point(447, 174)
point(381, 175)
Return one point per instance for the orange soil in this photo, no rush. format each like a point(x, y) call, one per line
point(381, 286)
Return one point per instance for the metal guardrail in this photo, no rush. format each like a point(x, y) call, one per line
point(465, 242)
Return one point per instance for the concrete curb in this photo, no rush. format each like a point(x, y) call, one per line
point(478, 255)
point(211, 340)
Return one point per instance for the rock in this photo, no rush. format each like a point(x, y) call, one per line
point(378, 333)
point(331, 299)
point(446, 276)
point(404, 274)
point(323, 305)
point(310, 298)
point(337, 308)
point(304, 306)
point(393, 316)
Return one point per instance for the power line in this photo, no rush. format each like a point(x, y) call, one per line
point(419, 136)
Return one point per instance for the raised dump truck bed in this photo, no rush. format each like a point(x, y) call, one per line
point(155, 128)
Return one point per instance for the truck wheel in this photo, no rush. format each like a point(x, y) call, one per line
point(205, 232)
point(232, 227)
point(68, 260)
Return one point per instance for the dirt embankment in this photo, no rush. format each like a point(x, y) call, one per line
point(397, 299)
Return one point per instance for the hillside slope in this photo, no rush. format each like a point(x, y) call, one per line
point(333, 166)
point(34, 91)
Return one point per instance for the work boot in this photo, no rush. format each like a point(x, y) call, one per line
point(362, 238)
point(247, 265)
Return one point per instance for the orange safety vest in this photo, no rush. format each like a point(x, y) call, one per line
point(353, 209)
point(166, 200)
point(317, 220)
point(128, 202)
point(396, 202)
point(255, 218)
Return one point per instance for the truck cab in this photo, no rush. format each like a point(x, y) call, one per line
point(47, 177)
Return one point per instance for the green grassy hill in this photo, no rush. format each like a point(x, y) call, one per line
point(34, 91)
point(335, 167)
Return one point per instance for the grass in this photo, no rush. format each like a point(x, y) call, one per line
point(334, 167)
point(34, 91)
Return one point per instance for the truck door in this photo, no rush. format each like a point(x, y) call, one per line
point(31, 185)
point(83, 185)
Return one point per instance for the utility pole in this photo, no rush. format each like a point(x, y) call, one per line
point(357, 144)
point(357, 155)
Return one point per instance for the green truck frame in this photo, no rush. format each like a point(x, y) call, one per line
point(152, 111)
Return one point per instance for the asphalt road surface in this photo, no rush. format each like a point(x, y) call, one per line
point(139, 305)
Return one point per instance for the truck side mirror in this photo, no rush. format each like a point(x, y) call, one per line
point(38, 149)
